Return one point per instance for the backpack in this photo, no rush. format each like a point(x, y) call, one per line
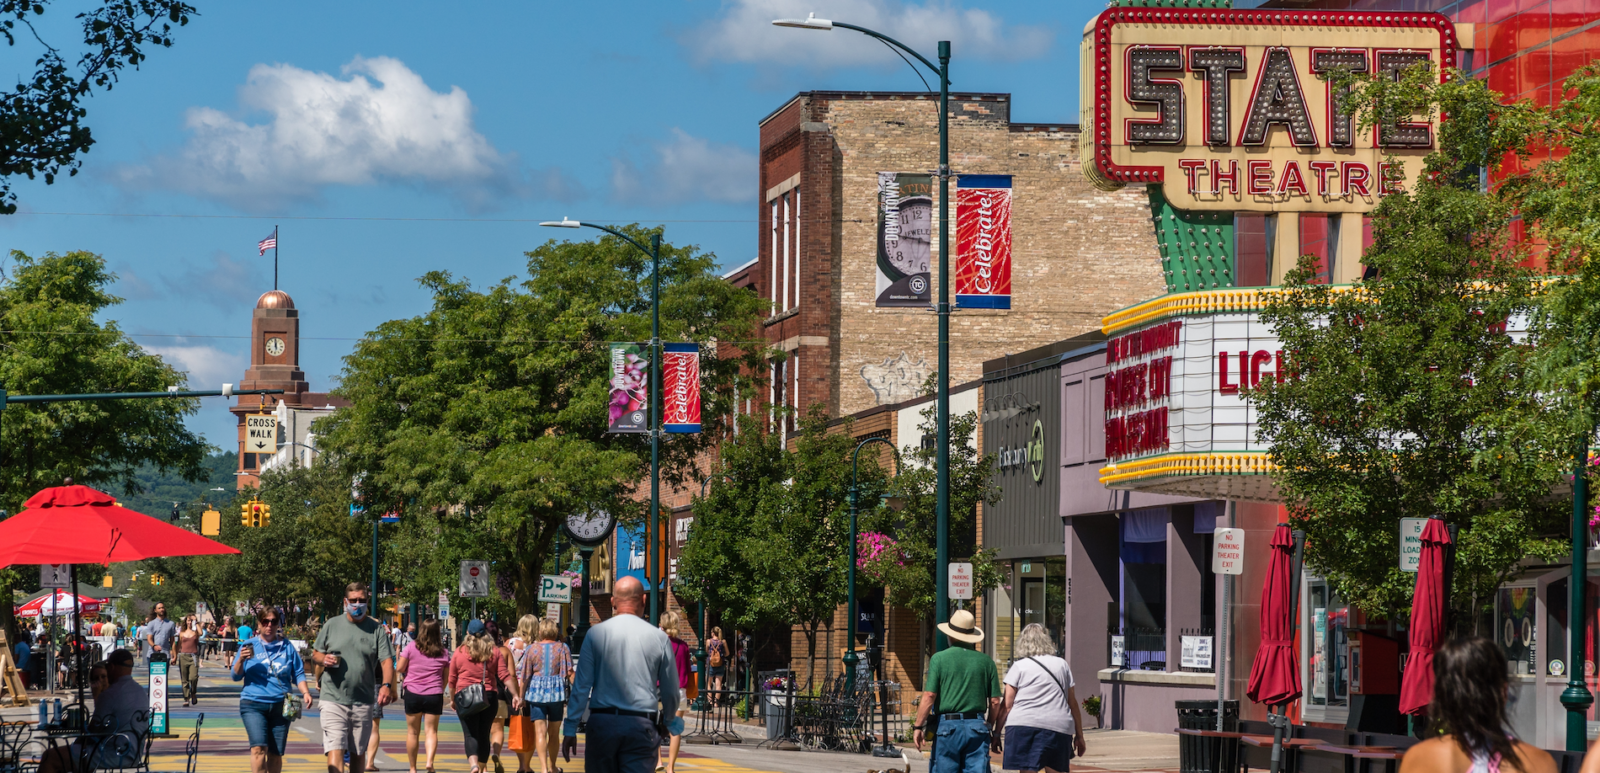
point(716, 654)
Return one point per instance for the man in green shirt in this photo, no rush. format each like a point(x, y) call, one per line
point(962, 696)
point(352, 649)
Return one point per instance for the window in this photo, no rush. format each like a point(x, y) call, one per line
point(1142, 597)
point(1330, 646)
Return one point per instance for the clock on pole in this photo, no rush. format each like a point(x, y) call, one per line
point(591, 527)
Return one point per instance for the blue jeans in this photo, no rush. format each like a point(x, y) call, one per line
point(619, 744)
point(960, 746)
point(265, 725)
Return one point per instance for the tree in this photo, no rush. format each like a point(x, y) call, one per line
point(490, 414)
point(42, 118)
point(1405, 396)
point(770, 541)
point(52, 342)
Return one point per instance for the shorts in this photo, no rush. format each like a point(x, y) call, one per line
point(230, 647)
point(719, 670)
point(265, 725)
point(346, 727)
point(548, 712)
point(1034, 748)
point(502, 711)
point(417, 703)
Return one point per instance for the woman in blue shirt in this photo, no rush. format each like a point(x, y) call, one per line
point(268, 664)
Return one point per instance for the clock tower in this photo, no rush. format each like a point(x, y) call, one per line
point(274, 364)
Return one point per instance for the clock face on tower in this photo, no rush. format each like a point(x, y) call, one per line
point(275, 347)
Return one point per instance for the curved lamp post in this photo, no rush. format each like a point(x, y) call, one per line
point(654, 252)
point(941, 609)
point(894, 503)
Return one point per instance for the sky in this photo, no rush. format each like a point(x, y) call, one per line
point(388, 140)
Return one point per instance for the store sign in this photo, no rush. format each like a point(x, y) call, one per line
point(1195, 652)
point(1119, 652)
point(680, 388)
point(983, 241)
point(1229, 110)
point(1029, 456)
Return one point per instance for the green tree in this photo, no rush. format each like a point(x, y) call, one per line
point(490, 411)
point(42, 117)
point(53, 341)
point(1404, 396)
point(770, 542)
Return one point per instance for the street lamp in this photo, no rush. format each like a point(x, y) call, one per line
point(1576, 698)
point(941, 608)
point(894, 503)
point(654, 252)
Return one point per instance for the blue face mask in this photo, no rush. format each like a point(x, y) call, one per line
point(356, 608)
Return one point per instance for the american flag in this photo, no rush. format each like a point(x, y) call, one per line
point(269, 243)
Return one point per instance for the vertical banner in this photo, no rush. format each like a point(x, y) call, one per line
point(158, 696)
point(630, 388)
point(983, 242)
point(905, 236)
point(680, 388)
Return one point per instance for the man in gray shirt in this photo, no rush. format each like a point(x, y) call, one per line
point(353, 650)
point(160, 632)
point(625, 671)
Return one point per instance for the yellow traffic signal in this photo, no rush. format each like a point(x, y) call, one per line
point(156, 579)
point(210, 524)
point(244, 514)
point(106, 582)
point(266, 514)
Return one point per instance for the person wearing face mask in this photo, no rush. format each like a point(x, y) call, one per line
point(354, 652)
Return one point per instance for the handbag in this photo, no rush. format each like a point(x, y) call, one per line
point(473, 698)
point(546, 687)
point(1065, 698)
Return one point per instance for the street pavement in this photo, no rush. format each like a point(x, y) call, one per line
point(224, 747)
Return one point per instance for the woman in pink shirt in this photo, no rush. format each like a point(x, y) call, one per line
point(670, 620)
point(478, 662)
point(425, 667)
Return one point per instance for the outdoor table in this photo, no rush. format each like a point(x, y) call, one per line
point(1388, 755)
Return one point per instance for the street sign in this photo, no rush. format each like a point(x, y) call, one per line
point(55, 575)
point(1227, 555)
point(553, 612)
point(555, 589)
point(474, 580)
point(158, 697)
point(961, 581)
point(261, 434)
point(240, 609)
point(1411, 543)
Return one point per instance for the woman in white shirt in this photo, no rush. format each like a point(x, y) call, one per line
point(1040, 710)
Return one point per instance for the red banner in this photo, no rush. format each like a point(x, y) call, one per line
point(680, 388)
point(983, 242)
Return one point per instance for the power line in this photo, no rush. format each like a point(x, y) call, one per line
point(354, 218)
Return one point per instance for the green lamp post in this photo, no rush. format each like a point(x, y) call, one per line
point(1576, 698)
point(895, 503)
point(941, 609)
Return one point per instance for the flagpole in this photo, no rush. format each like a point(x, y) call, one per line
point(274, 257)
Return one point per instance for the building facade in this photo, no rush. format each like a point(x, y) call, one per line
point(275, 364)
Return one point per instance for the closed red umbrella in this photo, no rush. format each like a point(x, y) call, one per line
point(1427, 618)
point(79, 525)
point(1274, 677)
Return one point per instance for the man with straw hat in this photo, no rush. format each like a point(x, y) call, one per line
point(962, 698)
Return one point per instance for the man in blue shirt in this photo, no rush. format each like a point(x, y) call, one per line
point(23, 652)
point(640, 672)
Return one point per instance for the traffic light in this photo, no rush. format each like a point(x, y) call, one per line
point(106, 582)
point(210, 522)
point(244, 514)
point(156, 579)
point(265, 511)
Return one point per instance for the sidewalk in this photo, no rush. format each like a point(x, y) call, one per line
point(1123, 751)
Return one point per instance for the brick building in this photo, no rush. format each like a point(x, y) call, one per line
point(275, 364)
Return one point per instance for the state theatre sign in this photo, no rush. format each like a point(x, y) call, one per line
point(1228, 110)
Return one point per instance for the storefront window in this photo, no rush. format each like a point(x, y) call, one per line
point(1143, 595)
point(1035, 592)
point(1330, 646)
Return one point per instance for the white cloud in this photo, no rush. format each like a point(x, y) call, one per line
point(208, 366)
point(379, 124)
point(686, 169)
point(744, 33)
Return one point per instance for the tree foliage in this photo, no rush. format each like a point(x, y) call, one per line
point(42, 129)
point(486, 417)
point(1405, 396)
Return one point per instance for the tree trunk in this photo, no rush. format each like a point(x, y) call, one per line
point(811, 652)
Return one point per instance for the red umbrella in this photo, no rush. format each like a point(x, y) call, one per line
point(78, 525)
point(1427, 619)
point(1274, 677)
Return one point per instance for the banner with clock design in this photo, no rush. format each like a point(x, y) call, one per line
point(905, 234)
point(680, 388)
point(983, 241)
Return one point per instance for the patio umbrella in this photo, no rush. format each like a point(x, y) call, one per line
point(79, 525)
point(59, 603)
point(1274, 676)
point(1427, 618)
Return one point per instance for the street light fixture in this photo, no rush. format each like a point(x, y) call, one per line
point(654, 252)
point(941, 574)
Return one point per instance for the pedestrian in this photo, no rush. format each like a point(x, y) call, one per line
point(717, 659)
point(502, 719)
point(426, 667)
point(546, 676)
point(22, 651)
point(1039, 716)
point(961, 699)
point(627, 681)
point(670, 620)
point(521, 738)
point(269, 666)
point(244, 632)
point(477, 670)
point(119, 706)
point(230, 644)
point(353, 653)
point(188, 651)
point(377, 708)
point(160, 632)
point(1469, 704)
point(110, 631)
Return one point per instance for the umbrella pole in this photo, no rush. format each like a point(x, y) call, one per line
point(77, 623)
point(1280, 723)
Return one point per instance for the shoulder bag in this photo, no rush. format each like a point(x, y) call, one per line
point(473, 699)
point(1065, 698)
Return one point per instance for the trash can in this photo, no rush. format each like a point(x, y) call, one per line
point(777, 714)
point(1207, 754)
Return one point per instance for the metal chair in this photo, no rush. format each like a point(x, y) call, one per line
point(191, 748)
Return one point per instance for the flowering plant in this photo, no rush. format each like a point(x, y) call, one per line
point(775, 683)
point(879, 557)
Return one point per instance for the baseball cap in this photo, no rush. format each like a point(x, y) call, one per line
point(475, 628)
point(121, 658)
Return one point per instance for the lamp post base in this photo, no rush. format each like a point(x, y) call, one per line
point(886, 750)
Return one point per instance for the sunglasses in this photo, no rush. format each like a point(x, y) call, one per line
point(270, 621)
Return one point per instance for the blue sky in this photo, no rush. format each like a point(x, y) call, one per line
point(388, 140)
